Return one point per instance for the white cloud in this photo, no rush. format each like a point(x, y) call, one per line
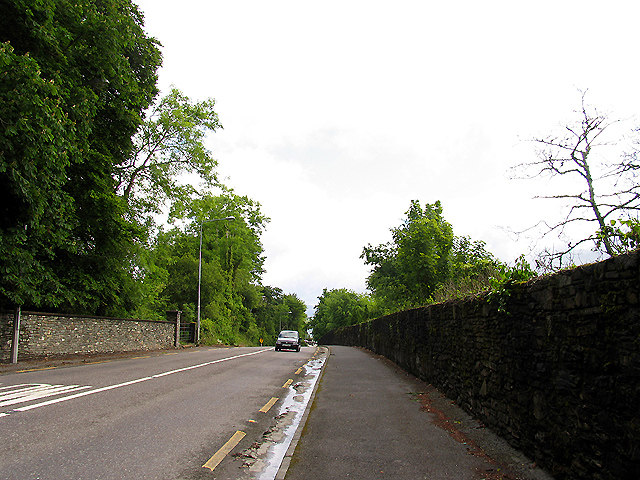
point(337, 114)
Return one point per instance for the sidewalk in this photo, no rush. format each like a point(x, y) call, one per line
point(370, 420)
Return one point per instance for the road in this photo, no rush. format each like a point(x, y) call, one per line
point(161, 416)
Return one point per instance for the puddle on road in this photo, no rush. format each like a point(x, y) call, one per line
point(263, 459)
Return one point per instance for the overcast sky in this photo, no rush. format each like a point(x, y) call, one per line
point(337, 114)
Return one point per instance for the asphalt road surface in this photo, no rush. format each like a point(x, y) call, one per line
point(161, 416)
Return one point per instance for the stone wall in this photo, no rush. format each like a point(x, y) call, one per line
point(50, 335)
point(556, 372)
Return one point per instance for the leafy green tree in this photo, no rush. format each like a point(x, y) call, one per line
point(279, 311)
point(35, 209)
point(406, 271)
point(337, 308)
point(296, 318)
point(425, 262)
point(168, 145)
point(469, 258)
point(75, 78)
point(472, 270)
point(270, 312)
point(232, 265)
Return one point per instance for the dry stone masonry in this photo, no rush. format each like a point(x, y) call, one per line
point(51, 335)
point(556, 372)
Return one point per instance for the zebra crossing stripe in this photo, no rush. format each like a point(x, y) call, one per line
point(31, 392)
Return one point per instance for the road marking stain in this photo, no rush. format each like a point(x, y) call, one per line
point(214, 461)
point(35, 369)
point(268, 405)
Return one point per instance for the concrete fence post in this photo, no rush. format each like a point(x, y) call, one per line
point(174, 316)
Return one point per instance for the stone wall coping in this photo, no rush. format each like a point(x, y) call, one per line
point(93, 317)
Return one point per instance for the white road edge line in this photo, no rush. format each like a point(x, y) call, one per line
point(131, 382)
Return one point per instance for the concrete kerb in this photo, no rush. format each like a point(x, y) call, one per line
point(286, 461)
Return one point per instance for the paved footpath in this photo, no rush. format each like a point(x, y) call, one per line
point(370, 420)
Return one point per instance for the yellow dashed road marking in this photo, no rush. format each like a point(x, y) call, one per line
point(287, 383)
point(224, 451)
point(269, 404)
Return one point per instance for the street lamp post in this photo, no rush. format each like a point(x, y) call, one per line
point(200, 272)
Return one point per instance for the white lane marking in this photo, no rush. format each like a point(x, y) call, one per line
point(31, 392)
point(81, 394)
point(209, 363)
point(143, 379)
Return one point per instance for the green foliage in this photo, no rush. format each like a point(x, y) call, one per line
point(168, 144)
point(75, 78)
point(472, 269)
point(235, 307)
point(279, 311)
point(425, 262)
point(271, 312)
point(407, 270)
point(296, 317)
point(338, 308)
point(82, 175)
point(505, 278)
point(623, 235)
point(35, 145)
point(463, 287)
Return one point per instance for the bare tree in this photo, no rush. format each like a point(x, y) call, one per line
point(606, 194)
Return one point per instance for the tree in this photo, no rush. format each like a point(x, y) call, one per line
point(279, 311)
point(605, 193)
point(337, 308)
point(168, 144)
point(472, 269)
point(232, 266)
point(408, 270)
point(425, 262)
point(75, 78)
point(297, 317)
point(271, 311)
point(34, 208)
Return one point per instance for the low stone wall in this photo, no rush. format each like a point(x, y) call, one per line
point(50, 335)
point(556, 372)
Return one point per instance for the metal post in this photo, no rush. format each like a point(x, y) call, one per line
point(16, 335)
point(197, 335)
